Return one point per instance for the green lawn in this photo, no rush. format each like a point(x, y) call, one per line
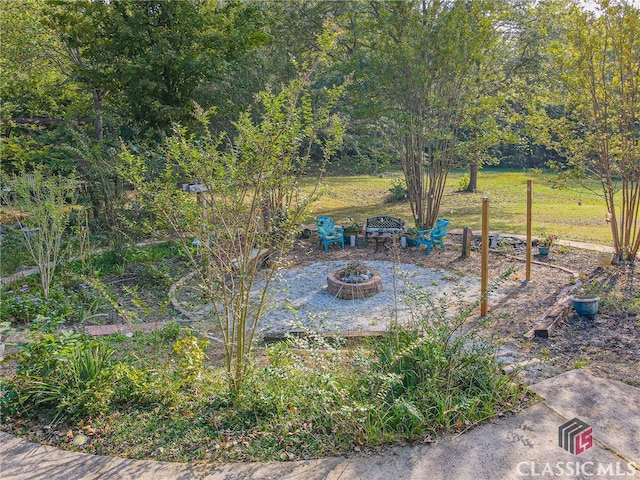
point(572, 214)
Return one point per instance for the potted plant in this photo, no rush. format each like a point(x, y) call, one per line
point(586, 300)
point(351, 230)
point(412, 236)
point(546, 242)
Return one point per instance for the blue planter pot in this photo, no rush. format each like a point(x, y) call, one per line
point(586, 307)
point(543, 250)
point(412, 242)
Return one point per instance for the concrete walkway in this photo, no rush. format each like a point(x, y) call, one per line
point(521, 446)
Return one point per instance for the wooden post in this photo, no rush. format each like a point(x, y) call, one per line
point(529, 239)
point(202, 200)
point(467, 238)
point(484, 259)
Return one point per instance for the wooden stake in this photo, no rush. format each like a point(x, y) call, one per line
point(484, 259)
point(467, 238)
point(529, 239)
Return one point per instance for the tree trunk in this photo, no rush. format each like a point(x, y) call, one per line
point(97, 108)
point(473, 177)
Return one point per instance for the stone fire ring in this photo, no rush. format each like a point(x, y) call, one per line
point(351, 291)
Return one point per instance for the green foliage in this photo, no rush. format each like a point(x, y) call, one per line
point(26, 146)
point(431, 379)
point(190, 352)
point(32, 82)
point(252, 199)
point(398, 190)
point(42, 206)
point(311, 397)
point(597, 63)
point(424, 63)
point(589, 289)
point(27, 303)
point(68, 376)
point(352, 227)
point(71, 300)
point(148, 61)
point(432, 376)
point(463, 183)
point(142, 388)
point(14, 252)
point(142, 259)
point(547, 239)
point(63, 373)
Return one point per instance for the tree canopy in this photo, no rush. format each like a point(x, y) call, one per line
point(436, 85)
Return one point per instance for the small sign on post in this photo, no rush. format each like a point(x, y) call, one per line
point(198, 189)
point(194, 187)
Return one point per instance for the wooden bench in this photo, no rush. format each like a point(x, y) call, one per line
point(378, 225)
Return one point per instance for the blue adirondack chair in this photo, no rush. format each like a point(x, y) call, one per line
point(434, 236)
point(329, 233)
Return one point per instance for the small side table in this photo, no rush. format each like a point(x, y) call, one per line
point(381, 238)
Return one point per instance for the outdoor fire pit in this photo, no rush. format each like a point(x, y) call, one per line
point(355, 280)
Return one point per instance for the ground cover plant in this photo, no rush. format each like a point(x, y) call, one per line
point(156, 396)
point(98, 288)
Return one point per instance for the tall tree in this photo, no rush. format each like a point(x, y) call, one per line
point(599, 65)
point(36, 94)
point(141, 63)
point(422, 60)
point(80, 28)
point(150, 56)
point(32, 83)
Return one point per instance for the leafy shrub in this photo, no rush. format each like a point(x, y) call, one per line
point(68, 376)
point(434, 380)
point(190, 352)
point(169, 332)
point(14, 253)
point(65, 373)
point(463, 183)
point(398, 190)
point(449, 375)
point(142, 388)
point(312, 397)
point(149, 275)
